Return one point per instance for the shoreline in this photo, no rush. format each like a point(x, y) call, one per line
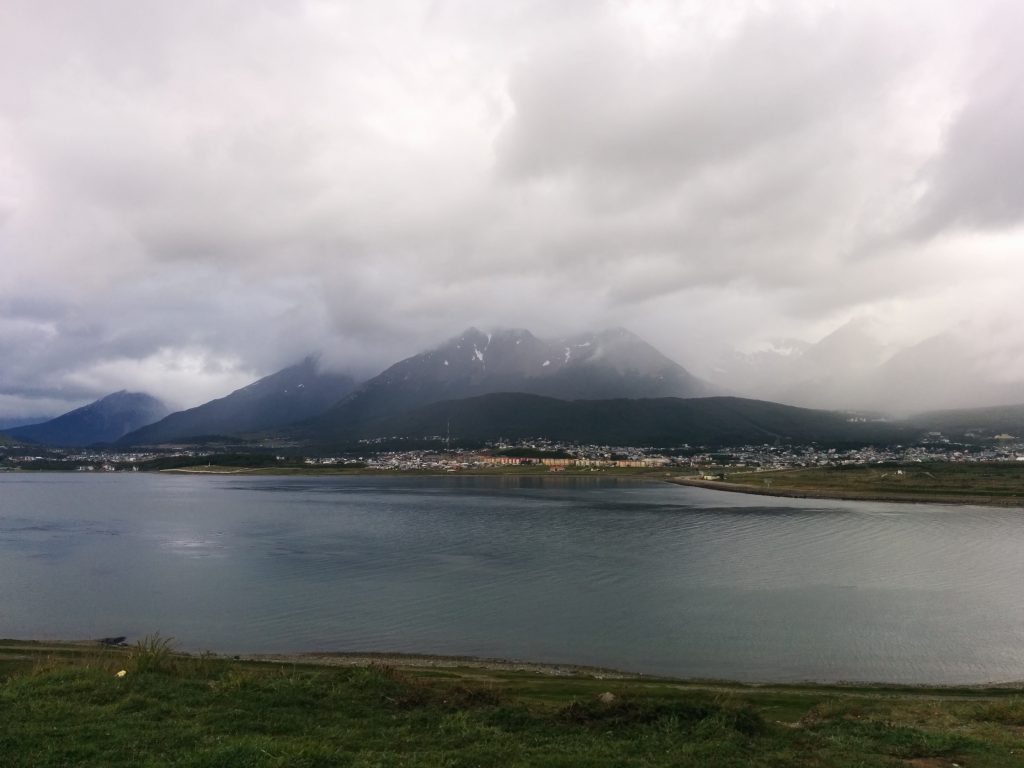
point(659, 476)
point(547, 669)
point(830, 495)
point(12, 649)
point(441, 661)
point(654, 476)
point(646, 474)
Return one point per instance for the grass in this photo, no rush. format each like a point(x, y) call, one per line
point(64, 705)
point(152, 654)
point(933, 481)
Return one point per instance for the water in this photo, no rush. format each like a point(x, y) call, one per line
point(647, 577)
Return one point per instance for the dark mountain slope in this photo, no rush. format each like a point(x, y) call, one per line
point(275, 401)
point(657, 422)
point(609, 364)
point(103, 421)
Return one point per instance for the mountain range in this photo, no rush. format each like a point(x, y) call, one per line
point(608, 387)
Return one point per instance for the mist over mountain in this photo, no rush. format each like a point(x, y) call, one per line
point(608, 386)
point(289, 395)
point(102, 421)
point(970, 423)
point(603, 365)
point(852, 368)
point(22, 421)
point(948, 371)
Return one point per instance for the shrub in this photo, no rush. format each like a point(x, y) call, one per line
point(152, 654)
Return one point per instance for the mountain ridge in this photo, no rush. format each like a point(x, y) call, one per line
point(603, 386)
point(613, 363)
point(284, 397)
point(101, 421)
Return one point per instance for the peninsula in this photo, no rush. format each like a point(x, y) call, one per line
point(997, 484)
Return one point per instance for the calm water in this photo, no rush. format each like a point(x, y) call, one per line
point(648, 577)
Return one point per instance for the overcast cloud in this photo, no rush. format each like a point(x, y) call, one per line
point(196, 193)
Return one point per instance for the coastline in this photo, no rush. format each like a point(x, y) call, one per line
point(658, 475)
point(629, 474)
point(13, 650)
point(440, 661)
point(958, 500)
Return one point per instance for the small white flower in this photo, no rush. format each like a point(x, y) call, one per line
point(122, 673)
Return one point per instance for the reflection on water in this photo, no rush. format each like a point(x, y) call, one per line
point(643, 576)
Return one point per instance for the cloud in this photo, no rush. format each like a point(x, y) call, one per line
point(972, 183)
point(197, 193)
point(757, 157)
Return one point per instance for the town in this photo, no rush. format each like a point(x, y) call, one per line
point(541, 455)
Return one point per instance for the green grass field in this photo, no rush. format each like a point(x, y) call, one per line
point(64, 705)
point(938, 481)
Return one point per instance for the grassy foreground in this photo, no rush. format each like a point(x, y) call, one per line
point(981, 483)
point(65, 705)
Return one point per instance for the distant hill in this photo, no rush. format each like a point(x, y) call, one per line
point(102, 421)
point(657, 422)
point(609, 364)
point(282, 398)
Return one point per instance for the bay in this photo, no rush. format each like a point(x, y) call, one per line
point(642, 576)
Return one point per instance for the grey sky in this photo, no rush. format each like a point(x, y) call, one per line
point(196, 193)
